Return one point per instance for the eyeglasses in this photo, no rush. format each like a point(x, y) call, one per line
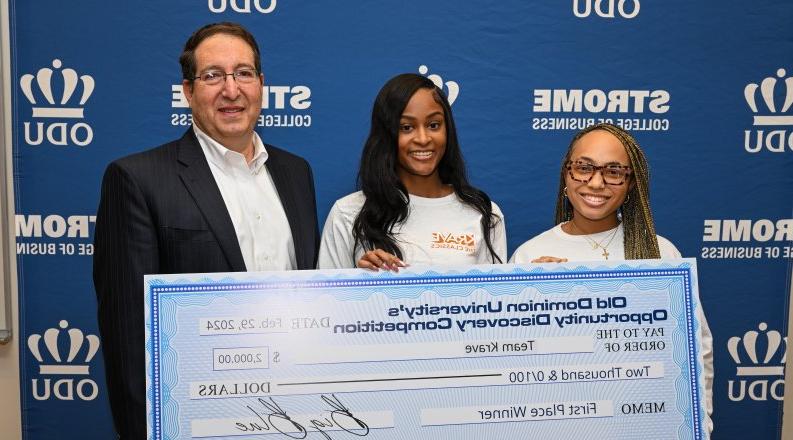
point(584, 171)
point(215, 77)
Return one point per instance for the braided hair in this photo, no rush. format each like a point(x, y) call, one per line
point(640, 241)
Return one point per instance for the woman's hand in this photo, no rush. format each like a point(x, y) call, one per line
point(379, 259)
point(546, 259)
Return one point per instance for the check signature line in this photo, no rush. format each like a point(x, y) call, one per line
point(394, 379)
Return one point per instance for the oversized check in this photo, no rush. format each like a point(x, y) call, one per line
point(606, 351)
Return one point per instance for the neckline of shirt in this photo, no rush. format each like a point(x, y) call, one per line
point(433, 201)
point(559, 232)
point(221, 156)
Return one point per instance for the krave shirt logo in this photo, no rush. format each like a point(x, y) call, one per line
point(449, 240)
point(39, 90)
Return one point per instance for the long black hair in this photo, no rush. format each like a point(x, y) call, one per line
point(387, 198)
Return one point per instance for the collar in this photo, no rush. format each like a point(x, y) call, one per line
point(223, 157)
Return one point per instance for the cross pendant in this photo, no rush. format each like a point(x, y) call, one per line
point(605, 253)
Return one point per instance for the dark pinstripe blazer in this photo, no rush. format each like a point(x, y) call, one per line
point(160, 212)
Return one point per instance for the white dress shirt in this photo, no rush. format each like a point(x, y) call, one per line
point(253, 204)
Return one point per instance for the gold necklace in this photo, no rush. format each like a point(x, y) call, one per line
point(596, 244)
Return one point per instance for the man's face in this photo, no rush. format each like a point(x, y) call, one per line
point(227, 111)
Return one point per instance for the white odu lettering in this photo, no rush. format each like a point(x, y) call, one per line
point(64, 389)
point(596, 101)
point(775, 141)
point(758, 390)
point(244, 8)
point(608, 12)
point(60, 133)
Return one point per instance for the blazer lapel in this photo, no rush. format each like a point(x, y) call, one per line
point(285, 189)
point(198, 179)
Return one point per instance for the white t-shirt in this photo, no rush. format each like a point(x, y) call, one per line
point(557, 243)
point(440, 230)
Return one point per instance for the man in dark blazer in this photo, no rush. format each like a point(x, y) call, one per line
point(189, 206)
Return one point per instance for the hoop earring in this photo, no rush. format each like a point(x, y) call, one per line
point(564, 192)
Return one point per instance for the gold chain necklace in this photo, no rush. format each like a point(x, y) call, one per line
point(596, 244)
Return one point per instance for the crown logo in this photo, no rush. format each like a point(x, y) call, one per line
point(60, 365)
point(767, 87)
point(760, 367)
point(44, 82)
point(452, 88)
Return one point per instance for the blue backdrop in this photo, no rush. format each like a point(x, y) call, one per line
point(706, 88)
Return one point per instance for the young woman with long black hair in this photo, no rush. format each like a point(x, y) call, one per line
point(415, 205)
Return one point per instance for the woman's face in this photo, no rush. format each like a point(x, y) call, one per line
point(596, 202)
point(422, 137)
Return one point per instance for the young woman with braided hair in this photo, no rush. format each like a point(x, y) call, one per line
point(603, 205)
point(603, 213)
point(415, 205)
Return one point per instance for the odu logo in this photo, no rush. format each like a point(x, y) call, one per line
point(452, 88)
point(608, 12)
point(770, 365)
point(58, 133)
point(769, 114)
point(53, 363)
point(244, 6)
